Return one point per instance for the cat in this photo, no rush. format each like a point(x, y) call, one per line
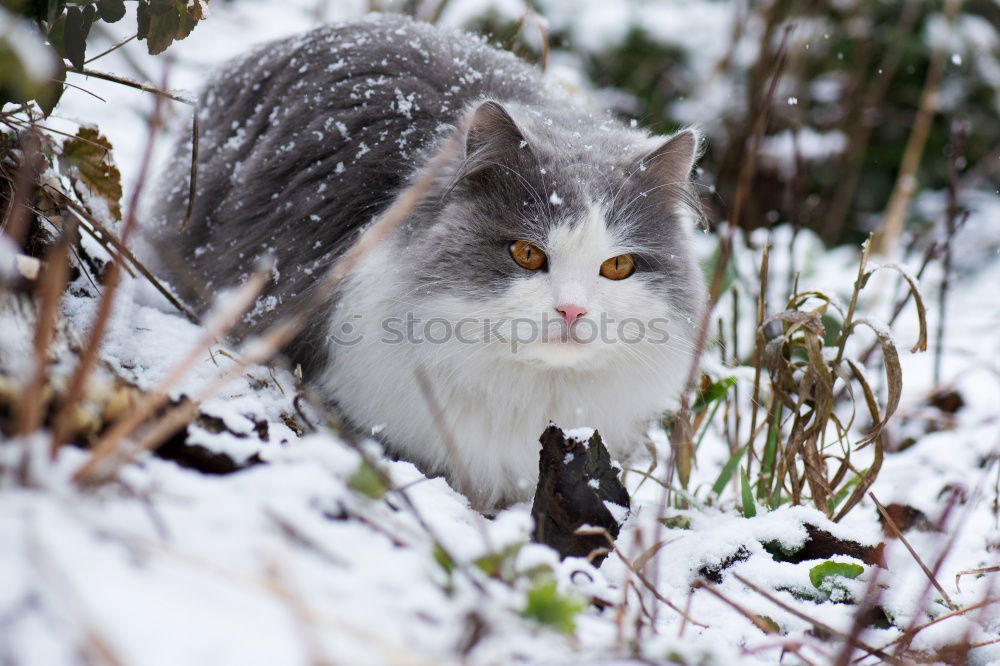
point(547, 274)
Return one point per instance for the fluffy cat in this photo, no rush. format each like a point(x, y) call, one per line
point(552, 219)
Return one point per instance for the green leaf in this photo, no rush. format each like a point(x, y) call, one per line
point(87, 158)
point(552, 609)
point(75, 36)
point(500, 564)
point(819, 573)
point(162, 28)
point(443, 559)
point(367, 481)
point(839, 496)
point(769, 622)
point(57, 35)
point(831, 328)
point(89, 15)
point(713, 393)
point(142, 19)
point(22, 81)
point(749, 508)
point(161, 7)
point(161, 22)
point(111, 10)
point(49, 97)
point(727, 471)
point(770, 454)
point(53, 10)
point(678, 522)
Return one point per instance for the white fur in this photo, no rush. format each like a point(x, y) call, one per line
point(497, 403)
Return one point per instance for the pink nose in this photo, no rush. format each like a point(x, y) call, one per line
point(571, 312)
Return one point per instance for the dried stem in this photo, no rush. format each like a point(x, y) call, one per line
point(279, 335)
point(951, 220)
point(756, 620)
point(860, 132)
point(16, 216)
point(193, 182)
point(88, 357)
point(49, 292)
point(642, 578)
point(103, 236)
point(758, 353)
point(899, 535)
point(906, 181)
point(110, 50)
point(130, 83)
point(821, 625)
point(216, 327)
point(868, 603)
point(454, 456)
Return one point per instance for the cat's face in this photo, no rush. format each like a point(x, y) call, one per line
point(554, 251)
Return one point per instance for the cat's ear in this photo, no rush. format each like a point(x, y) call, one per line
point(671, 162)
point(491, 129)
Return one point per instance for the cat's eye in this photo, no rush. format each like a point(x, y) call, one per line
point(527, 255)
point(618, 268)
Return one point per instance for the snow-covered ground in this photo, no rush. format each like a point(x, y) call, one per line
point(288, 563)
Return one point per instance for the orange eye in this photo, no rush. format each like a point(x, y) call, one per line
point(527, 255)
point(618, 268)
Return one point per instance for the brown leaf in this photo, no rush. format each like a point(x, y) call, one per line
point(87, 158)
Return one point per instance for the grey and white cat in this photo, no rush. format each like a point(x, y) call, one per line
point(552, 225)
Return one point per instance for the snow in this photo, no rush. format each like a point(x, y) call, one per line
point(618, 512)
point(9, 258)
point(581, 435)
point(781, 149)
point(286, 563)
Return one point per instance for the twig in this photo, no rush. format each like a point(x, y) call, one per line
point(755, 619)
point(911, 628)
point(88, 357)
point(16, 215)
point(906, 179)
point(113, 48)
point(437, 415)
point(130, 83)
point(275, 338)
point(758, 352)
point(955, 613)
point(868, 603)
point(16, 122)
point(860, 132)
point(974, 572)
point(638, 574)
point(49, 290)
point(193, 182)
point(817, 623)
point(899, 535)
point(94, 227)
point(746, 177)
point(956, 145)
point(216, 327)
point(80, 88)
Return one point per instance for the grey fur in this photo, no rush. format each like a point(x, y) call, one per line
point(304, 141)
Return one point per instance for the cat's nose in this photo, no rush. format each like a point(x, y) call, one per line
point(571, 312)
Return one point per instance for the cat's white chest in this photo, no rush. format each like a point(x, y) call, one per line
point(478, 412)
